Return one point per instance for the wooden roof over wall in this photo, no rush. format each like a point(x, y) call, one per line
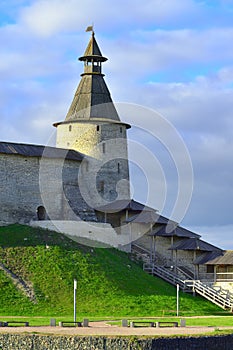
point(173, 229)
point(194, 244)
point(225, 259)
point(28, 150)
point(124, 204)
point(148, 217)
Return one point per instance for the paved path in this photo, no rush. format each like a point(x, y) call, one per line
point(101, 328)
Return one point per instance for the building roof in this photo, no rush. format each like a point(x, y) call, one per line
point(172, 229)
point(225, 259)
point(194, 244)
point(124, 204)
point(147, 217)
point(206, 257)
point(93, 50)
point(92, 100)
point(28, 150)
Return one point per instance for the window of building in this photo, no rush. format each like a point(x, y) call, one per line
point(98, 128)
point(118, 168)
point(104, 147)
point(210, 269)
point(121, 129)
point(70, 127)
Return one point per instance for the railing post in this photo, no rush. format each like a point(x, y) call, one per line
point(193, 288)
point(220, 297)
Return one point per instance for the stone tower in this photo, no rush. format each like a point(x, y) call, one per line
point(92, 126)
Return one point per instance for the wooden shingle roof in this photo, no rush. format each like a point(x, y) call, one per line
point(225, 259)
point(28, 150)
point(173, 229)
point(124, 204)
point(93, 50)
point(206, 257)
point(194, 244)
point(92, 100)
point(148, 217)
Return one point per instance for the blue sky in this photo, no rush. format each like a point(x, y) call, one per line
point(172, 56)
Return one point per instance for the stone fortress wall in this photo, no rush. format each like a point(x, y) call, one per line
point(27, 183)
point(50, 342)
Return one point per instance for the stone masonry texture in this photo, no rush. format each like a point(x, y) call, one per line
point(29, 182)
point(39, 342)
point(106, 144)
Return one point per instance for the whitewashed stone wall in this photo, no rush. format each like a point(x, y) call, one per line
point(89, 233)
point(29, 182)
point(106, 172)
point(83, 137)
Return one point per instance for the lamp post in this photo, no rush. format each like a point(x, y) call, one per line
point(177, 299)
point(75, 288)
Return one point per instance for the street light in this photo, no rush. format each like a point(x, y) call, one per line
point(75, 288)
point(177, 299)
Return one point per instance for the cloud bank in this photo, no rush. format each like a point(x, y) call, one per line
point(171, 56)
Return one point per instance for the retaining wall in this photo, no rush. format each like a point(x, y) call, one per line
point(93, 231)
point(39, 342)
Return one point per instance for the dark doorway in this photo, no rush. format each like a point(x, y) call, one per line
point(41, 213)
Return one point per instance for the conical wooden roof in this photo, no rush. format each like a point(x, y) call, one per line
point(92, 99)
point(92, 50)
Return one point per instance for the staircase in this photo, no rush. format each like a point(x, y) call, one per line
point(165, 274)
point(223, 300)
point(184, 278)
point(140, 253)
point(220, 297)
point(186, 272)
point(144, 255)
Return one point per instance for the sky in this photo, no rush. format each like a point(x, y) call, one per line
point(173, 57)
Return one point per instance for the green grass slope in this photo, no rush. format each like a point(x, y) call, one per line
point(109, 283)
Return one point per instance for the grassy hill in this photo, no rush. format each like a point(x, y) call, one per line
point(109, 283)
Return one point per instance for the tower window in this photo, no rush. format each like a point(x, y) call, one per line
point(98, 128)
point(70, 127)
point(118, 168)
point(101, 186)
point(104, 147)
point(121, 129)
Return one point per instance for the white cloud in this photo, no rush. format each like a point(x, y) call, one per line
point(47, 18)
point(176, 54)
point(173, 56)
